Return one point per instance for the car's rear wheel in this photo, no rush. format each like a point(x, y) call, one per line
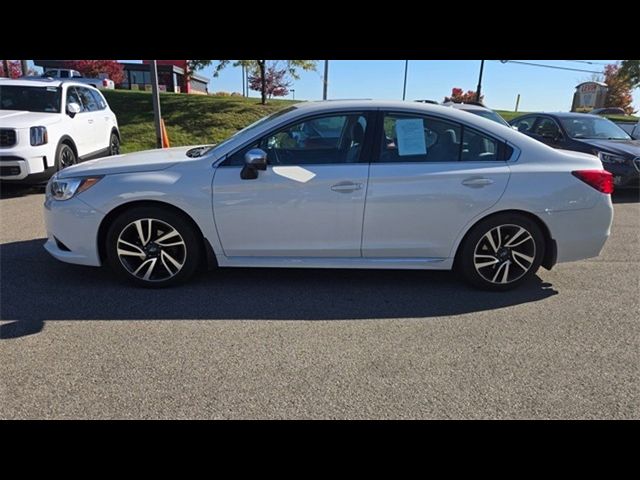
point(114, 144)
point(65, 156)
point(501, 252)
point(153, 247)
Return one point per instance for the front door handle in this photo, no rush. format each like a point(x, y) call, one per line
point(346, 187)
point(90, 121)
point(477, 182)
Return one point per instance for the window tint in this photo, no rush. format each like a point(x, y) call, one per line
point(525, 125)
point(409, 138)
point(477, 147)
point(320, 140)
point(64, 74)
point(88, 102)
point(546, 127)
point(98, 99)
point(73, 97)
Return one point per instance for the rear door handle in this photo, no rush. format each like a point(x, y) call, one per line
point(346, 187)
point(90, 121)
point(477, 182)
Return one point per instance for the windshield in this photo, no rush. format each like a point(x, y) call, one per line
point(589, 127)
point(489, 114)
point(31, 99)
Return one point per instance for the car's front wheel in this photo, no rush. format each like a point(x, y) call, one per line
point(65, 156)
point(501, 252)
point(153, 247)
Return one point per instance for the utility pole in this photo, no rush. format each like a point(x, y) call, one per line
point(479, 89)
point(155, 94)
point(25, 67)
point(293, 92)
point(404, 89)
point(517, 102)
point(243, 84)
point(326, 80)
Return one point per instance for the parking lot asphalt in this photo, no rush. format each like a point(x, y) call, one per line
point(268, 343)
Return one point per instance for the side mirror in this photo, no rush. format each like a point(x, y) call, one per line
point(254, 160)
point(73, 109)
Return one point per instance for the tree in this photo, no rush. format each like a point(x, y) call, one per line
point(276, 83)
point(13, 66)
point(458, 96)
point(93, 68)
point(256, 68)
point(619, 88)
point(631, 70)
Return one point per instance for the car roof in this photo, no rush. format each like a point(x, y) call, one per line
point(560, 115)
point(40, 82)
point(467, 106)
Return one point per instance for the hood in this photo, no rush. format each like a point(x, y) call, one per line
point(621, 147)
point(24, 119)
point(146, 161)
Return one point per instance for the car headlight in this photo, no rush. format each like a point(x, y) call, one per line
point(66, 188)
point(38, 136)
point(611, 158)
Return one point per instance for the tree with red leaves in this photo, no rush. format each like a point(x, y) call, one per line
point(619, 88)
point(14, 67)
point(275, 80)
point(458, 96)
point(93, 68)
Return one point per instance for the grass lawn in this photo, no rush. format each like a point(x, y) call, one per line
point(190, 119)
point(198, 119)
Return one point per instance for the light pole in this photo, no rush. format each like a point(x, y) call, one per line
point(326, 80)
point(293, 92)
point(404, 89)
point(478, 90)
point(156, 102)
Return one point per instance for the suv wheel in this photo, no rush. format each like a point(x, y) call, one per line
point(114, 144)
point(65, 156)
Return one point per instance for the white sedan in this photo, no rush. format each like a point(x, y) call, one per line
point(340, 184)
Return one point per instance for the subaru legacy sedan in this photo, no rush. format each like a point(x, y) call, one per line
point(338, 184)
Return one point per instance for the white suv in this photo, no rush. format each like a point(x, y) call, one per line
point(47, 125)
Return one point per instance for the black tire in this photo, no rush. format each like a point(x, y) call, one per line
point(114, 144)
point(125, 266)
point(65, 156)
point(476, 255)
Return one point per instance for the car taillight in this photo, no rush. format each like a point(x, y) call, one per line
point(601, 180)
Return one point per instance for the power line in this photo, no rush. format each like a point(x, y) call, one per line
point(549, 66)
point(586, 61)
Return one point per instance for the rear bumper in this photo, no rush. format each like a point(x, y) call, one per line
point(581, 234)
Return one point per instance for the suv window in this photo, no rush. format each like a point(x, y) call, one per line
point(525, 125)
point(409, 138)
point(98, 99)
point(320, 140)
point(89, 103)
point(72, 97)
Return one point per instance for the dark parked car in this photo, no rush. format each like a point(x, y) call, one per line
point(608, 111)
point(580, 132)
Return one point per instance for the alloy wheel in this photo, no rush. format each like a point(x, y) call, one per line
point(504, 254)
point(151, 250)
point(114, 146)
point(67, 158)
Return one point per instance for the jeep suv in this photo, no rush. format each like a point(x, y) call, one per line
point(47, 125)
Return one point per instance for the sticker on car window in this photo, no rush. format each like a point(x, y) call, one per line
point(410, 134)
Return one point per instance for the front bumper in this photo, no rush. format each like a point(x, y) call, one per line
point(27, 163)
point(72, 231)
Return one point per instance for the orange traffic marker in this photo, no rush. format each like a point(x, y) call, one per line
point(165, 136)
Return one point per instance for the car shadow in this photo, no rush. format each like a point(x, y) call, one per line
point(628, 195)
point(37, 288)
point(8, 190)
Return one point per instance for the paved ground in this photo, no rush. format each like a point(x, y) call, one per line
point(316, 344)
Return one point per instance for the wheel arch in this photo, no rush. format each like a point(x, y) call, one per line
point(113, 214)
point(69, 141)
point(117, 132)
point(550, 247)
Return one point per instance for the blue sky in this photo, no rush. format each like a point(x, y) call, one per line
point(541, 89)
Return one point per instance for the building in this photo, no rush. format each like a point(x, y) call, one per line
point(137, 76)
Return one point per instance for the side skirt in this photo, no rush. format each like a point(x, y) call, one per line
point(337, 262)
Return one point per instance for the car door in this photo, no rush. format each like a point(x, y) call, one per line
point(81, 124)
point(103, 121)
point(309, 202)
point(431, 178)
point(94, 118)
